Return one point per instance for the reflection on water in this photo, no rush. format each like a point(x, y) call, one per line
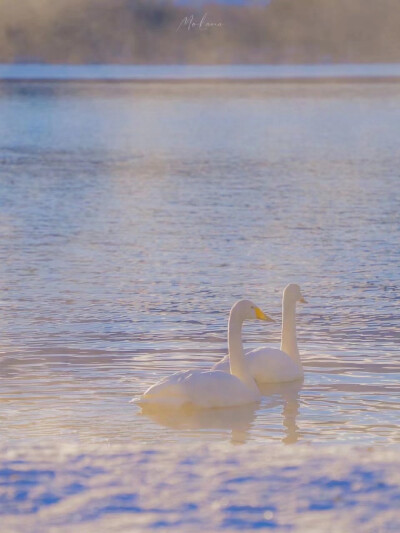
point(288, 395)
point(133, 216)
point(239, 420)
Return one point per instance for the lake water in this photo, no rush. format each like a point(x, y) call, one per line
point(358, 72)
point(133, 216)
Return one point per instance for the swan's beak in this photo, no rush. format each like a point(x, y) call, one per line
point(261, 316)
point(303, 300)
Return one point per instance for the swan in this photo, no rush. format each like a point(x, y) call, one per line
point(213, 388)
point(270, 365)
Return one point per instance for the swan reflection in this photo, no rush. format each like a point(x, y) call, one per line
point(288, 396)
point(238, 420)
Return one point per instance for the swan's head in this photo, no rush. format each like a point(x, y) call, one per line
point(247, 310)
point(292, 293)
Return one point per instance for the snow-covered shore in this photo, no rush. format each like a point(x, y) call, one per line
point(200, 487)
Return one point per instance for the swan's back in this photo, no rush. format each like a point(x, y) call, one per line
point(199, 388)
point(271, 365)
point(267, 365)
point(223, 365)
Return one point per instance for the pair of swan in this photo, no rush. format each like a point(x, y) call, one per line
point(232, 381)
point(270, 365)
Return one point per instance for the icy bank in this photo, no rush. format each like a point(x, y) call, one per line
point(200, 488)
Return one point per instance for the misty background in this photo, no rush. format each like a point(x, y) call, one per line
point(145, 31)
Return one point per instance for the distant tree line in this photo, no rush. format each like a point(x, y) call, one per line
point(145, 31)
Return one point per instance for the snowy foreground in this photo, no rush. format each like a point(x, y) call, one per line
point(200, 488)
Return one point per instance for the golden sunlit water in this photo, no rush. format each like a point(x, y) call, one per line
point(134, 215)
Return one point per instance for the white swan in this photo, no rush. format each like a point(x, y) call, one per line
point(270, 365)
point(212, 388)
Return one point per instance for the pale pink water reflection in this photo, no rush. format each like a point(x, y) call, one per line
point(132, 216)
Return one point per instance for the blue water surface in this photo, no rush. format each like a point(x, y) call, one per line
point(132, 216)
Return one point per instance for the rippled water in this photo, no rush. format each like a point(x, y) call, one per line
point(133, 216)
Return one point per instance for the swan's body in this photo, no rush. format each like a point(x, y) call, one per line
point(213, 388)
point(201, 388)
point(270, 365)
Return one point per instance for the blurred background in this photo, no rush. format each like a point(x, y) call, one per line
point(145, 31)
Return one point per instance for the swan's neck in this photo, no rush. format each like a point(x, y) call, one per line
point(289, 339)
point(237, 360)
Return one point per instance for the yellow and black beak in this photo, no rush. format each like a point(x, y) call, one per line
point(303, 300)
point(262, 316)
